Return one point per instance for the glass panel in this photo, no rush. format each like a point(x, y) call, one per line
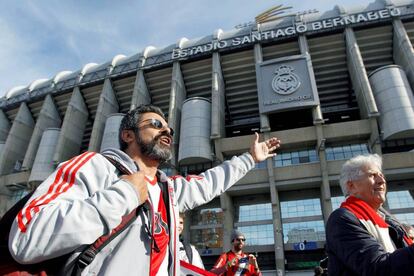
point(309, 231)
point(345, 151)
point(406, 218)
point(300, 208)
point(258, 234)
point(207, 216)
point(260, 165)
point(400, 199)
point(210, 237)
point(295, 157)
point(336, 201)
point(255, 212)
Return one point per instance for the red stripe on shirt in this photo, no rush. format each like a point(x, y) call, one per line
point(66, 171)
point(31, 205)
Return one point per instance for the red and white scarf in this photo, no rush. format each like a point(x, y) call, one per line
point(372, 221)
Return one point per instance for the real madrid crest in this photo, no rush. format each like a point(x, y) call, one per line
point(285, 82)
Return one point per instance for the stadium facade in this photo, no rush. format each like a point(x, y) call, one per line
point(330, 85)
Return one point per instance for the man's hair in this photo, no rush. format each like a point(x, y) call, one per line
point(352, 168)
point(235, 234)
point(130, 120)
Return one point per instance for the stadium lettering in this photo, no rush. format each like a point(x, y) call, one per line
point(288, 99)
point(298, 28)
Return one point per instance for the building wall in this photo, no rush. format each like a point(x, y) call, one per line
point(283, 203)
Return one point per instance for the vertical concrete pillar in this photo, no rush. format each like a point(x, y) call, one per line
point(140, 95)
point(48, 118)
point(318, 122)
point(304, 50)
point(264, 118)
point(226, 203)
point(362, 87)
point(107, 105)
point(326, 201)
point(43, 164)
point(17, 140)
point(403, 52)
point(277, 217)
point(177, 97)
point(359, 76)
point(218, 105)
point(4, 126)
point(375, 137)
point(73, 127)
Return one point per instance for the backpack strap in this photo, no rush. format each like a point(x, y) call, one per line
point(88, 255)
point(188, 250)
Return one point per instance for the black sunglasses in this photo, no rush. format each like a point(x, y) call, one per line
point(243, 240)
point(157, 124)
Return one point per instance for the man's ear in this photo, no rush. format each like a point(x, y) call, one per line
point(350, 185)
point(128, 136)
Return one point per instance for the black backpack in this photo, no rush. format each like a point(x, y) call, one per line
point(8, 266)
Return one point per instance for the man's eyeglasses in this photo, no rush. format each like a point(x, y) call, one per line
point(157, 124)
point(239, 240)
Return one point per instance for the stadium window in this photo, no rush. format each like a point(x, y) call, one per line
point(302, 220)
point(255, 221)
point(345, 151)
point(206, 226)
point(295, 158)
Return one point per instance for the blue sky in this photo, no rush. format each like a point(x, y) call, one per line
point(41, 38)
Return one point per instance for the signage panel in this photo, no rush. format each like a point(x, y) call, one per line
point(286, 83)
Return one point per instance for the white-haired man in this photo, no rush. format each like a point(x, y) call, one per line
point(362, 238)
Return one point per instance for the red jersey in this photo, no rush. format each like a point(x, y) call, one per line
point(160, 232)
point(241, 268)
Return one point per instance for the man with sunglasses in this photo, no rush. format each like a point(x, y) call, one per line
point(236, 262)
point(86, 198)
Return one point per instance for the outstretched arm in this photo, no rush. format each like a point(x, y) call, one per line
point(194, 191)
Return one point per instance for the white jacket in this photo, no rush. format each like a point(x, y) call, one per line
point(85, 199)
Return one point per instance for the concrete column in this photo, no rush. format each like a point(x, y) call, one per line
point(43, 165)
point(226, 203)
point(359, 76)
point(4, 126)
point(218, 151)
point(48, 118)
point(107, 105)
point(403, 50)
point(264, 118)
point(73, 127)
point(304, 50)
point(177, 97)
point(140, 95)
point(326, 202)
point(17, 140)
point(277, 217)
point(218, 104)
point(375, 137)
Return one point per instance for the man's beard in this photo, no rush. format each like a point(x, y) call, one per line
point(238, 247)
point(154, 149)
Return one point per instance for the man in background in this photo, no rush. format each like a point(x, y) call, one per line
point(187, 251)
point(235, 261)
